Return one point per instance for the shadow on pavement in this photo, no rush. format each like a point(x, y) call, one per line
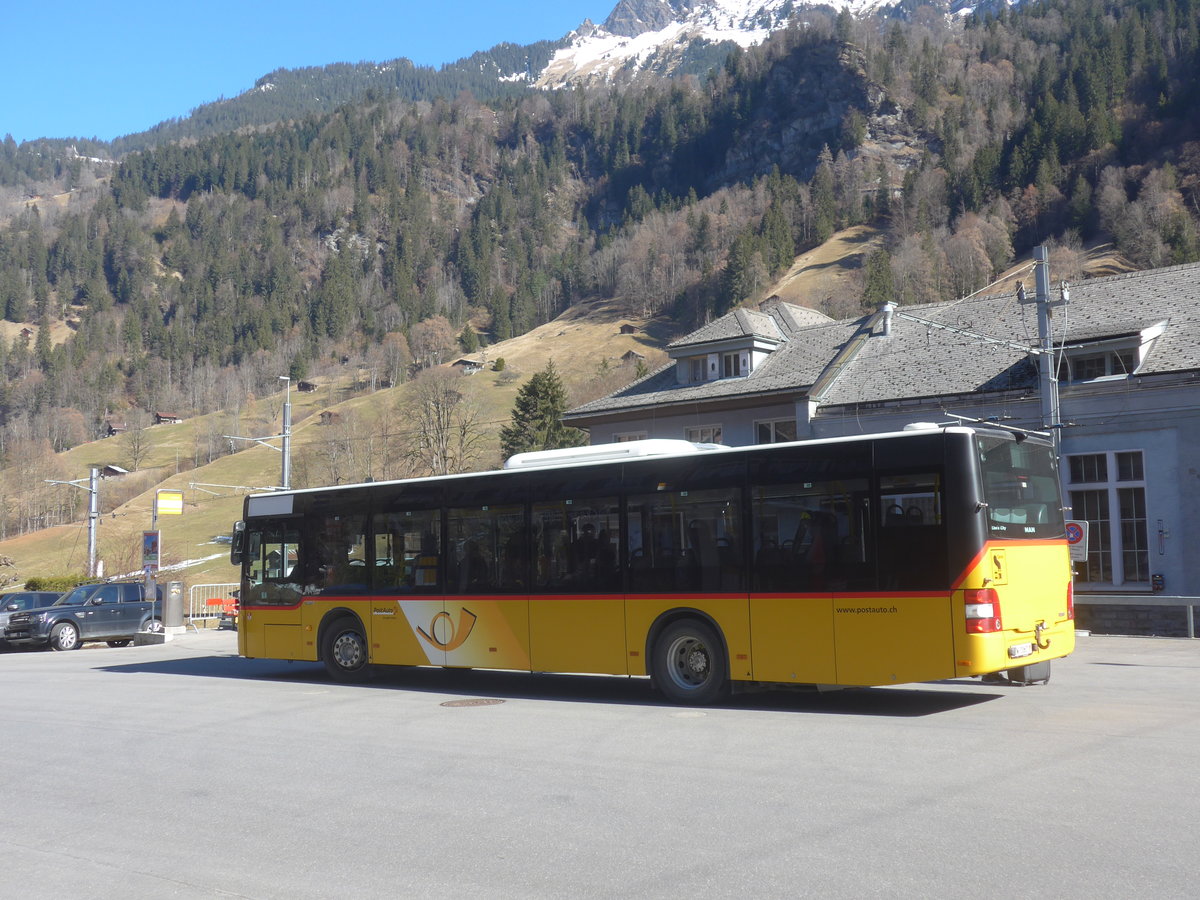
point(895, 702)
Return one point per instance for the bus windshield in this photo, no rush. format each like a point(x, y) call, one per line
point(1020, 485)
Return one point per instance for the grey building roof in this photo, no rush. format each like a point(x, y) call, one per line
point(739, 323)
point(918, 359)
point(792, 367)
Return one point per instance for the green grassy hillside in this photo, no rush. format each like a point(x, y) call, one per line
point(585, 345)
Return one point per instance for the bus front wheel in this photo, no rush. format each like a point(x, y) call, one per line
point(344, 651)
point(689, 665)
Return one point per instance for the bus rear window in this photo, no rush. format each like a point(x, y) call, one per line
point(1020, 485)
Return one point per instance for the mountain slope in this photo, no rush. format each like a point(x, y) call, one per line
point(586, 344)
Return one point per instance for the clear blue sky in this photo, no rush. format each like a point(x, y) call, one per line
point(93, 69)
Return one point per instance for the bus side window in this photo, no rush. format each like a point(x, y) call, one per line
point(272, 551)
point(574, 543)
point(347, 568)
point(688, 541)
point(910, 499)
point(809, 536)
point(911, 541)
point(423, 568)
point(406, 551)
point(481, 559)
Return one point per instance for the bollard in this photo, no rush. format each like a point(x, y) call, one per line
point(173, 608)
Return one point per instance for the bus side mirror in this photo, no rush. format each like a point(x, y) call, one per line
point(238, 544)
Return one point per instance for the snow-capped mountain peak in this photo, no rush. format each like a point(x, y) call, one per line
point(640, 34)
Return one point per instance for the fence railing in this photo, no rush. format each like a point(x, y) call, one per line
point(1188, 603)
point(201, 603)
point(205, 600)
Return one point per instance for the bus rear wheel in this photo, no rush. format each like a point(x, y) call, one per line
point(344, 651)
point(688, 663)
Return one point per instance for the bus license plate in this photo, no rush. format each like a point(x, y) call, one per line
point(1016, 651)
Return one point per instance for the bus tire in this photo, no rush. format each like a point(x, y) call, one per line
point(688, 663)
point(344, 650)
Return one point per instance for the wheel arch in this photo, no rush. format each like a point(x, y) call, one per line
point(679, 614)
point(334, 615)
point(63, 620)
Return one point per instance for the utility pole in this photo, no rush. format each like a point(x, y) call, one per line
point(1044, 351)
point(93, 490)
point(93, 517)
point(1048, 365)
point(286, 474)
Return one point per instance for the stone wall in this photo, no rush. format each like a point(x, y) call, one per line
point(1146, 621)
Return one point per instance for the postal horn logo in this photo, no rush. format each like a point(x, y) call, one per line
point(449, 636)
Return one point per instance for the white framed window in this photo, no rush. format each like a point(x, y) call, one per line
point(704, 434)
point(1108, 490)
point(624, 436)
point(1084, 365)
point(774, 431)
point(698, 369)
point(735, 364)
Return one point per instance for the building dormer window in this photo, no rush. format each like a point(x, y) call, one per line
point(698, 368)
point(733, 365)
point(1114, 357)
point(1088, 365)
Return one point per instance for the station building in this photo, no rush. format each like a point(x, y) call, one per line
point(1126, 352)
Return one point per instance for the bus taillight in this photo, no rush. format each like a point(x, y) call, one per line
point(982, 607)
point(1070, 600)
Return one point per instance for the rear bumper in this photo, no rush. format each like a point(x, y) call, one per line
point(981, 654)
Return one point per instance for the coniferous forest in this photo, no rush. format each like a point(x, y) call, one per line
point(214, 253)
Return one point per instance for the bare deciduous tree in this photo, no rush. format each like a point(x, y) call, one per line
point(396, 356)
point(432, 341)
point(349, 451)
point(33, 503)
point(443, 434)
point(135, 442)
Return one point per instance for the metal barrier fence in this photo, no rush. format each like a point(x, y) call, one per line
point(1143, 600)
point(207, 601)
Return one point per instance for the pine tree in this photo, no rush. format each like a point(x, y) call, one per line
point(537, 417)
point(468, 339)
point(824, 199)
point(880, 285)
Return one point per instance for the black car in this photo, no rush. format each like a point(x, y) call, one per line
point(21, 600)
point(112, 612)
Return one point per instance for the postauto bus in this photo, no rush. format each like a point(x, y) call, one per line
point(926, 554)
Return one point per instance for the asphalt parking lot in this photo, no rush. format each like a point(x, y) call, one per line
point(181, 770)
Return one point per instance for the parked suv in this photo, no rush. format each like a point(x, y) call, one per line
point(19, 600)
point(91, 612)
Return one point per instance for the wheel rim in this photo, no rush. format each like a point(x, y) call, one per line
point(68, 637)
point(689, 663)
point(154, 626)
point(349, 652)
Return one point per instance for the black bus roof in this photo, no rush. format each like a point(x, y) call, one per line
point(661, 449)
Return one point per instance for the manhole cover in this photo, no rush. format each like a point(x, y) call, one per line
point(481, 701)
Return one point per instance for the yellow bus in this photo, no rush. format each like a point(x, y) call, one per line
point(926, 554)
